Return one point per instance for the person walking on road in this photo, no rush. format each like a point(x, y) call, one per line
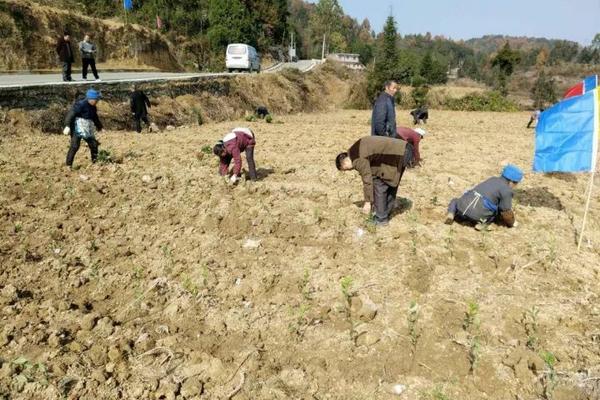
point(487, 202)
point(383, 119)
point(139, 104)
point(81, 123)
point(381, 162)
point(88, 52)
point(236, 141)
point(65, 54)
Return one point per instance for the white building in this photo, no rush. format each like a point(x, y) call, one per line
point(351, 61)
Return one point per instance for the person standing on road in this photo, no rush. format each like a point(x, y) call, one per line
point(139, 104)
point(383, 119)
point(381, 162)
point(487, 202)
point(88, 52)
point(81, 123)
point(65, 54)
point(236, 141)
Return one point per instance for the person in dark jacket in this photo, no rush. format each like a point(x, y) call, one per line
point(88, 52)
point(381, 162)
point(81, 123)
point(65, 55)
point(489, 201)
point(139, 104)
point(236, 141)
point(420, 115)
point(383, 119)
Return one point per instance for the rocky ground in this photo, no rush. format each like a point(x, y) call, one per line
point(151, 278)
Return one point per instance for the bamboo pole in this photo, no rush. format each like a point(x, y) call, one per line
point(587, 207)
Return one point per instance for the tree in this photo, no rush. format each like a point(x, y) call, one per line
point(386, 59)
point(326, 20)
point(563, 50)
point(596, 42)
point(504, 62)
point(230, 22)
point(544, 91)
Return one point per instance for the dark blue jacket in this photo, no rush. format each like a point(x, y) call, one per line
point(83, 109)
point(383, 119)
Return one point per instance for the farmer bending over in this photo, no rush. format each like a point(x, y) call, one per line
point(81, 123)
point(489, 201)
point(380, 161)
point(412, 136)
point(236, 141)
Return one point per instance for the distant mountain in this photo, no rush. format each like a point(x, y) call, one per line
point(491, 43)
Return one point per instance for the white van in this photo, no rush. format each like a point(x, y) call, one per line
point(241, 56)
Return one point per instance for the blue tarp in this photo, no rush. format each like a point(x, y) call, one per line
point(128, 4)
point(566, 135)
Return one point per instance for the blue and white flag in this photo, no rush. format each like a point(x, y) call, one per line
point(128, 4)
point(566, 136)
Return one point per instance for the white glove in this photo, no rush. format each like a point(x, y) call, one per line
point(233, 179)
point(67, 130)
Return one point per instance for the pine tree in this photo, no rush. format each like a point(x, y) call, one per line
point(386, 60)
point(543, 92)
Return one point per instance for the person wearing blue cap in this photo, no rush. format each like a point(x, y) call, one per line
point(489, 201)
point(82, 122)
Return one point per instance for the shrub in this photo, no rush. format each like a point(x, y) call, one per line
point(487, 101)
point(269, 118)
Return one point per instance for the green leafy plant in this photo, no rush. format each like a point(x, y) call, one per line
point(250, 118)
point(198, 115)
point(471, 325)
point(268, 119)
point(105, 156)
point(206, 149)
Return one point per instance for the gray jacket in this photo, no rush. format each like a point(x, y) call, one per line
point(87, 50)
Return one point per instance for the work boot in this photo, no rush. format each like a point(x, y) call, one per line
point(449, 218)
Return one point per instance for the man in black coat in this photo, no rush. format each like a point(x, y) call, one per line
point(139, 103)
point(383, 119)
point(65, 54)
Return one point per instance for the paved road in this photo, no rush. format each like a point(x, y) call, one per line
point(24, 79)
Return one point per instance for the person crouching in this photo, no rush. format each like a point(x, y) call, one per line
point(381, 162)
point(231, 147)
point(81, 123)
point(487, 202)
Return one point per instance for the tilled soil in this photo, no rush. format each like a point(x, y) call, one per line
point(152, 278)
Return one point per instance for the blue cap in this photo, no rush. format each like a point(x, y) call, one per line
point(512, 173)
point(92, 94)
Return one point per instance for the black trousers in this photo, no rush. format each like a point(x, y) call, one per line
point(384, 197)
point(88, 62)
point(66, 71)
point(138, 122)
point(75, 142)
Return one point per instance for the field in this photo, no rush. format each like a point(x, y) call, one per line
point(151, 278)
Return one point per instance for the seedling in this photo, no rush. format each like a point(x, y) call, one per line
point(434, 201)
point(305, 285)
point(268, 119)
point(26, 371)
point(412, 318)
point(18, 228)
point(471, 325)
point(190, 286)
point(250, 118)
point(346, 284)
point(449, 240)
point(300, 322)
point(549, 378)
point(471, 316)
point(530, 322)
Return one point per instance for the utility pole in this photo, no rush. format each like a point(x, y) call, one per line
point(323, 49)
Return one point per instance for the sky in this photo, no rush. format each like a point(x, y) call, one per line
point(577, 20)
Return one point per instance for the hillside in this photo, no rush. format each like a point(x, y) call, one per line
point(492, 43)
point(29, 32)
